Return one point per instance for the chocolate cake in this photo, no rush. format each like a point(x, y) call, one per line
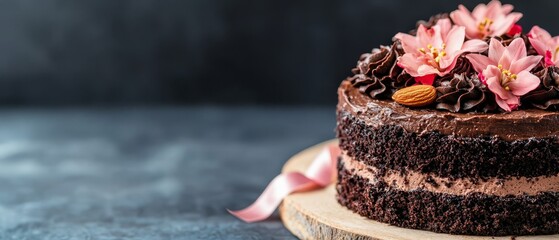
point(453, 128)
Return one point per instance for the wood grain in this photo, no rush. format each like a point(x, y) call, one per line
point(317, 215)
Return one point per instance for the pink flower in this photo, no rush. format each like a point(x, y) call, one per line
point(545, 45)
point(484, 21)
point(506, 71)
point(435, 50)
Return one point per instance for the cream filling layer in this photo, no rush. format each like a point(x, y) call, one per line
point(420, 181)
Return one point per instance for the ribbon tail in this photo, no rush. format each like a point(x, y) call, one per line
point(318, 175)
point(272, 196)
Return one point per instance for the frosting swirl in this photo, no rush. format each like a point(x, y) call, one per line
point(546, 96)
point(377, 73)
point(463, 66)
point(464, 92)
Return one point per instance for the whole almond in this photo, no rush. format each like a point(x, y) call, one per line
point(415, 96)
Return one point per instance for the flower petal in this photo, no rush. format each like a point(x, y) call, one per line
point(410, 63)
point(409, 42)
point(426, 70)
point(503, 25)
point(479, 62)
point(542, 41)
point(548, 59)
point(502, 103)
point(494, 86)
point(448, 62)
point(455, 39)
point(496, 50)
point(505, 99)
point(424, 36)
point(436, 37)
point(517, 49)
point(539, 33)
point(525, 83)
point(512, 102)
point(445, 27)
point(474, 46)
point(462, 17)
point(525, 64)
point(507, 8)
point(505, 61)
point(493, 10)
point(493, 77)
point(492, 70)
point(479, 11)
point(540, 47)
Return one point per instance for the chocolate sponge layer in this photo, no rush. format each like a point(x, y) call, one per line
point(446, 155)
point(472, 214)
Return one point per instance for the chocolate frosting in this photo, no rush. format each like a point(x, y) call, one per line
point(511, 126)
point(546, 96)
point(377, 73)
point(464, 92)
point(461, 90)
point(414, 180)
point(463, 66)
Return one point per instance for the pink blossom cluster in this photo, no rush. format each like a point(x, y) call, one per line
point(505, 70)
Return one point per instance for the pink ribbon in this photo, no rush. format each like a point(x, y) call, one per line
point(320, 174)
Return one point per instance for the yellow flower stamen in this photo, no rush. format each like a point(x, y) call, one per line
point(435, 53)
point(506, 77)
point(484, 27)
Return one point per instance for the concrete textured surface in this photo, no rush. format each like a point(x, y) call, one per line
point(146, 173)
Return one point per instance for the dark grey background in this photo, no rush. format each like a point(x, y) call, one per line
point(62, 52)
point(159, 173)
point(169, 172)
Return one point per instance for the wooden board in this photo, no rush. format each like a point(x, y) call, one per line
point(317, 215)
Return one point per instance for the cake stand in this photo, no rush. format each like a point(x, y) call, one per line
point(317, 214)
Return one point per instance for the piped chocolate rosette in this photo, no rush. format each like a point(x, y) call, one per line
point(477, 61)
